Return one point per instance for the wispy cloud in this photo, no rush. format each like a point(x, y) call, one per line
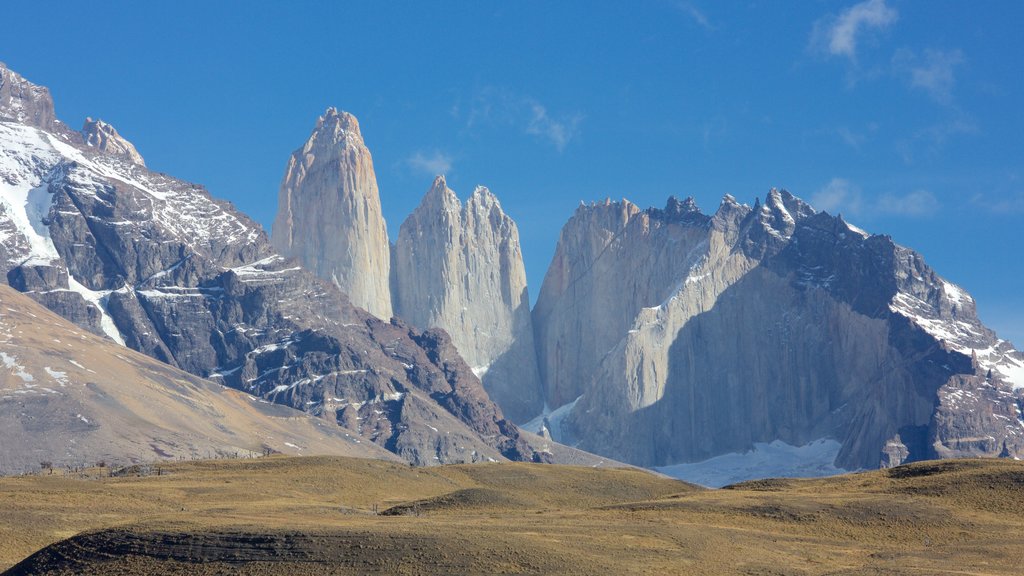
point(496, 106)
point(839, 35)
point(432, 163)
point(840, 196)
point(558, 132)
point(696, 14)
point(856, 138)
point(934, 71)
point(919, 203)
point(931, 140)
point(1011, 204)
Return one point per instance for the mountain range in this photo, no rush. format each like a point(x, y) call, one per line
point(159, 266)
point(661, 337)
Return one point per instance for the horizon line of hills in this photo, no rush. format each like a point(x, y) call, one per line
point(659, 337)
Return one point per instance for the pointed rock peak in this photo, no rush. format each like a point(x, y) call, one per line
point(679, 211)
point(677, 208)
point(794, 205)
point(483, 193)
point(483, 197)
point(730, 209)
point(774, 205)
point(25, 102)
point(441, 196)
point(337, 127)
point(440, 183)
point(105, 138)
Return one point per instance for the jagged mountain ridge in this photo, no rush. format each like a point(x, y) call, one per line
point(459, 267)
point(712, 333)
point(159, 265)
point(697, 335)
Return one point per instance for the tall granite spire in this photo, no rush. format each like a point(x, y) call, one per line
point(329, 213)
point(460, 267)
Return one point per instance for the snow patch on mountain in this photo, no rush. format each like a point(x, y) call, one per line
point(766, 460)
point(99, 300)
point(552, 420)
point(967, 338)
point(26, 156)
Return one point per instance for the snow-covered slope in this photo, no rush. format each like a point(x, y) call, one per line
point(947, 312)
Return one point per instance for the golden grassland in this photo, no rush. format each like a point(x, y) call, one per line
point(335, 515)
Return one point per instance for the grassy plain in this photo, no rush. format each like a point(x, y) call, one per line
point(335, 515)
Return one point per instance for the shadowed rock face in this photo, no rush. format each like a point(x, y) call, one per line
point(708, 334)
point(73, 399)
point(329, 214)
point(460, 268)
point(159, 265)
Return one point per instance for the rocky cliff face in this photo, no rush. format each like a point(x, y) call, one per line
point(710, 334)
point(329, 214)
point(160, 266)
point(24, 102)
point(460, 268)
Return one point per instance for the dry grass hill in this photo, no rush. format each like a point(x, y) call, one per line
point(71, 398)
point(333, 515)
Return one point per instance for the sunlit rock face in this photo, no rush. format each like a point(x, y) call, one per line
point(681, 336)
point(329, 214)
point(459, 267)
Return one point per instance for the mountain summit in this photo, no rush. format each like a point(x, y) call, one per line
point(708, 336)
point(329, 214)
point(460, 268)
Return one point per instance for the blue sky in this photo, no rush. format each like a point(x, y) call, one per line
point(904, 116)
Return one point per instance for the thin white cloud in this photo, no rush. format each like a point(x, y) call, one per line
point(839, 35)
point(558, 132)
point(433, 163)
point(1010, 204)
point(696, 14)
point(934, 71)
point(838, 196)
point(931, 140)
point(500, 107)
point(918, 203)
point(856, 138)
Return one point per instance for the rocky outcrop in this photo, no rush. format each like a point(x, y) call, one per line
point(978, 416)
point(159, 265)
point(460, 268)
point(329, 214)
point(24, 102)
point(710, 334)
point(104, 137)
